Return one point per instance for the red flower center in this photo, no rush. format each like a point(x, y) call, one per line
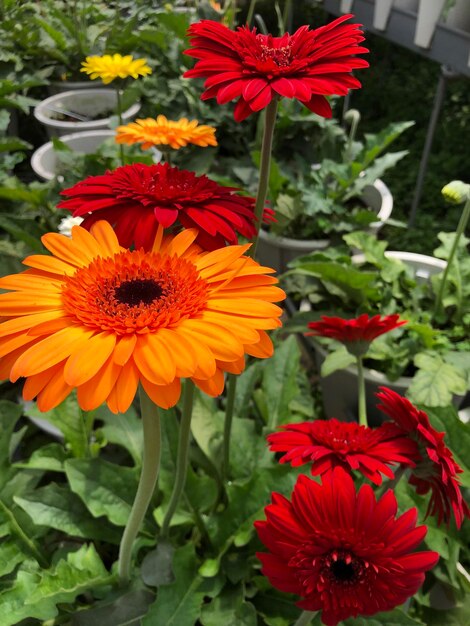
point(274, 58)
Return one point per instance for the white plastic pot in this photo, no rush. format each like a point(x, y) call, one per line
point(86, 102)
point(44, 159)
point(277, 252)
point(339, 389)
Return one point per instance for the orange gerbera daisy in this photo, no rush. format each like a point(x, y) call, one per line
point(101, 318)
point(163, 132)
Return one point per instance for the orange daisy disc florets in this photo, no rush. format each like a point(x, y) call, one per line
point(163, 132)
point(101, 319)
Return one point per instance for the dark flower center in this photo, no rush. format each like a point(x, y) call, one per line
point(138, 291)
point(343, 567)
point(343, 571)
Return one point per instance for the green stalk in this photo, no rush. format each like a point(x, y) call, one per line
point(460, 230)
point(286, 14)
point(391, 484)
point(264, 170)
point(119, 114)
point(182, 459)
point(361, 391)
point(147, 482)
point(251, 11)
point(305, 618)
point(22, 536)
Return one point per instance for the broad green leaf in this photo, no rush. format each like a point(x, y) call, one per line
point(179, 604)
point(81, 571)
point(11, 554)
point(372, 248)
point(246, 383)
point(392, 618)
point(207, 426)
point(49, 458)
point(126, 610)
point(14, 605)
point(436, 381)
point(123, 429)
point(229, 609)
point(277, 609)
point(9, 415)
point(157, 566)
point(56, 507)
point(337, 360)
point(70, 420)
point(279, 381)
point(13, 143)
point(105, 488)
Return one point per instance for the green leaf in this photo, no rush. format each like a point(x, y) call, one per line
point(13, 143)
point(56, 507)
point(9, 415)
point(126, 610)
point(372, 248)
point(339, 359)
point(229, 609)
point(14, 605)
point(11, 555)
point(391, 618)
point(49, 458)
point(179, 604)
point(436, 381)
point(123, 429)
point(246, 384)
point(105, 488)
point(70, 420)
point(207, 426)
point(81, 571)
point(279, 381)
point(157, 566)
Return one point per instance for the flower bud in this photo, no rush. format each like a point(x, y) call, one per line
point(456, 192)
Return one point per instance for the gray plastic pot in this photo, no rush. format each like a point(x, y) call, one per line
point(277, 252)
point(87, 102)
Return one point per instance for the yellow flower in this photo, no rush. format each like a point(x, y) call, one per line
point(161, 131)
point(108, 67)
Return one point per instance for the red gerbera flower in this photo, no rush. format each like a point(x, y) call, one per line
point(342, 551)
point(436, 470)
point(136, 198)
point(330, 443)
point(255, 68)
point(357, 333)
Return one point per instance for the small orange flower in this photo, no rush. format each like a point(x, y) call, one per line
point(101, 318)
point(163, 132)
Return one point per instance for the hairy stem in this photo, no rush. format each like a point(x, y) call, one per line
point(361, 392)
point(305, 618)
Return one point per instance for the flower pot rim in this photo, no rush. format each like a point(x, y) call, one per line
point(77, 125)
point(320, 244)
point(37, 157)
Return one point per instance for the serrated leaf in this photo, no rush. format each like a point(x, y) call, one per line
point(126, 610)
point(229, 609)
point(123, 429)
point(56, 507)
point(391, 618)
point(49, 458)
point(436, 381)
point(279, 381)
point(81, 571)
point(11, 555)
point(339, 359)
point(13, 602)
point(105, 488)
point(179, 604)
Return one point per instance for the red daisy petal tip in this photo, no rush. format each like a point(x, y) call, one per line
point(436, 470)
point(341, 551)
point(253, 68)
point(136, 198)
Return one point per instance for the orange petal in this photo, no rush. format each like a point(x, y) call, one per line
point(164, 396)
point(263, 349)
point(64, 248)
point(27, 322)
point(104, 234)
point(96, 390)
point(123, 392)
point(54, 392)
point(234, 367)
point(8, 344)
point(179, 244)
point(50, 264)
point(124, 349)
point(86, 242)
point(89, 358)
point(6, 363)
point(245, 333)
point(50, 351)
point(29, 282)
point(35, 384)
point(215, 262)
point(270, 294)
point(221, 342)
point(153, 360)
point(181, 351)
point(246, 307)
point(212, 386)
point(47, 328)
point(18, 303)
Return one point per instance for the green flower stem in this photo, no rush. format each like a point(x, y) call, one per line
point(460, 230)
point(231, 392)
point(147, 482)
point(182, 460)
point(264, 169)
point(251, 11)
point(391, 484)
point(22, 536)
point(119, 114)
point(361, 392)
point(305, 618)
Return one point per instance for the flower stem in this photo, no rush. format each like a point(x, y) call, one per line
point(182, 459)
point(119, 114)
point(264, 169)
point(148, 479)
point(231, 392)
point(305, 618)
point(361, 392)
point(391, 484)
point(458, 234)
